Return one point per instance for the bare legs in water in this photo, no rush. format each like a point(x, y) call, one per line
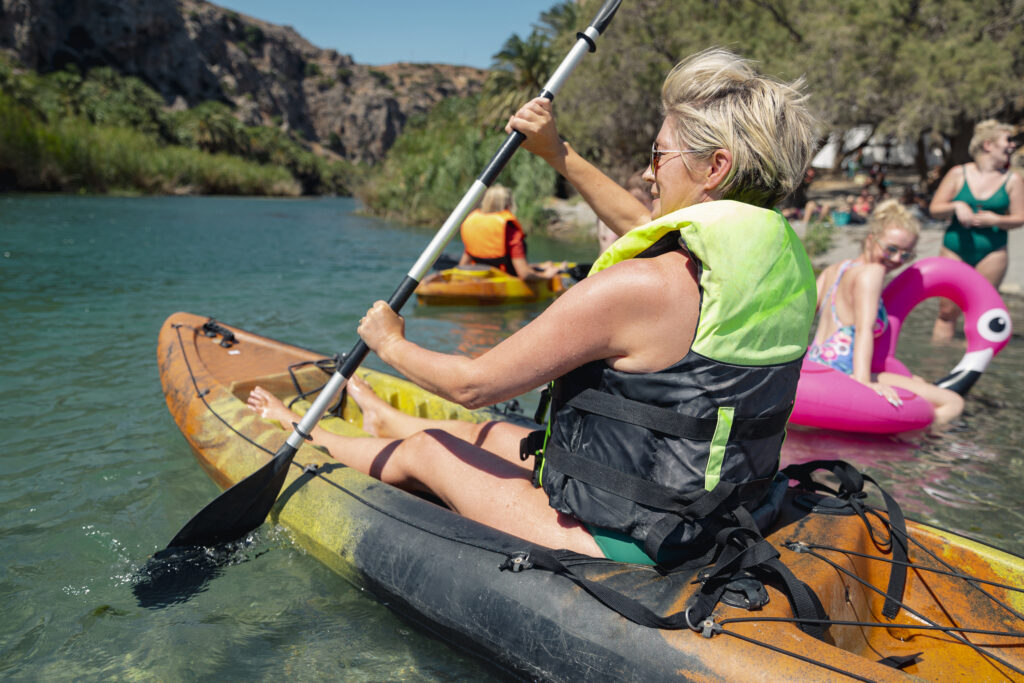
point(473, 468)
point(992, 267)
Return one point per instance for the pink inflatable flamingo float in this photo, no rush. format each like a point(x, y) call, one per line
point(829, 399)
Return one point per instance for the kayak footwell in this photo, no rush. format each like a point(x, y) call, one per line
point(442, 571)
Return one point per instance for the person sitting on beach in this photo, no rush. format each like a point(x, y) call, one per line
point(862, 206)
point(982, 200)
point(849, 296)
point(697, 319)
point(492, 236)
point(798, 207)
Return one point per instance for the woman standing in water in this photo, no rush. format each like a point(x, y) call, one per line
point(983, 200)
point(696, 322)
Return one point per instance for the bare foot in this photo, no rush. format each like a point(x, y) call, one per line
point(270, 407)
point(379, 417)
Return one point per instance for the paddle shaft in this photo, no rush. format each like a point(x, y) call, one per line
point(585, 43)
point(245, 506)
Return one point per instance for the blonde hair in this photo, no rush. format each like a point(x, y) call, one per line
point(717, 100)
point(497, 198)
point(987, 131)
point(892, 214)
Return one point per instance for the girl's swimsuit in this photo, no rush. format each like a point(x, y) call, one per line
point(837, 351)
point(974, 244)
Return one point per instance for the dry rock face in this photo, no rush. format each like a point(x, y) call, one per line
point(191, 51)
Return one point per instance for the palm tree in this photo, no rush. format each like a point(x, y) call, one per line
point(518, 72)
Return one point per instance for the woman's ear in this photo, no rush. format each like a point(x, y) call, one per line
point(718, 169)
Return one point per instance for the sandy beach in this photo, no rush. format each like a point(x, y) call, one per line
point(847, 240)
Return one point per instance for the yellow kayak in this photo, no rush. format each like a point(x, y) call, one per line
point(477, 285)
point(961, 608)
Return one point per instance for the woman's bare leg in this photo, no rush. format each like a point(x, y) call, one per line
point(993, 267)
point(382, 419)
point(472, 481)
point(947, 403)
point(945, 324)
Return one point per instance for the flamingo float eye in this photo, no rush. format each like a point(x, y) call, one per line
point(994, 325)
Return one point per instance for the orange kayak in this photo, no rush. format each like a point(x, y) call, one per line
point(961, 612)
point(477, 285)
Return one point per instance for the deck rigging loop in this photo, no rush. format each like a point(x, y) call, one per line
point(326, 365)
point(851, 490)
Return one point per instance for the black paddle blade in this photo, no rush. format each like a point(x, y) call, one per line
point(241, 508)
point(174, 575)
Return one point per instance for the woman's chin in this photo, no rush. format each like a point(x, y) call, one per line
point(656, 209)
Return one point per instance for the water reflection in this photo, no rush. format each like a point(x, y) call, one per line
point(472, 331)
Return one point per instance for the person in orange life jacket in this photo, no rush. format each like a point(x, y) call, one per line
point(493, 236)
point(983, 200)
point(732, 144)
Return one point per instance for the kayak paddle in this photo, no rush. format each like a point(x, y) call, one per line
point(245, 506)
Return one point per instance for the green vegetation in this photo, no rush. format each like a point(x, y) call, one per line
point(818, 236)
point(75, 155)
point(436, 159)
point(908, 70)
point(103, 132)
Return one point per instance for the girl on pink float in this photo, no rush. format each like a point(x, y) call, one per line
point(853, 316)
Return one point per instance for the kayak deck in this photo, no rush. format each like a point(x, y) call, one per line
point(441, 570)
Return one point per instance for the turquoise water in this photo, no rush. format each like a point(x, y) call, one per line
point(95, 475)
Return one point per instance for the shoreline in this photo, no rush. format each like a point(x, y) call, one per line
point(575, 221)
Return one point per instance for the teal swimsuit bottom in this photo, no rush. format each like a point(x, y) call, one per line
point(618, 546)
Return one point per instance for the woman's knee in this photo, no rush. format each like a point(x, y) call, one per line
point(954, 401)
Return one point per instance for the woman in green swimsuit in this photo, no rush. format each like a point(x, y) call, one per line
point(983, 199)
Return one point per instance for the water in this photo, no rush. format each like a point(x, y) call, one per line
point(95, 475)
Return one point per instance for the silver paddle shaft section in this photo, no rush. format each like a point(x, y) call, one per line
point(447, 231)
point(585, 43)
point(312, 417)
point(472, 197)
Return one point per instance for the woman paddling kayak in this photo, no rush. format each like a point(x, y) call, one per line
point(674, 363)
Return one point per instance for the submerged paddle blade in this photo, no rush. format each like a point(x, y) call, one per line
point(241, 508)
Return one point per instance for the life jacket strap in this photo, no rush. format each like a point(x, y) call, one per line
point(533, 446)
point(676, 424)
point(503, 263)
point(688, 505)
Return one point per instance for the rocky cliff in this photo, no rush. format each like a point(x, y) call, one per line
point(191, 51)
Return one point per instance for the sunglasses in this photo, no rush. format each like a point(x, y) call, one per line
point(657, 154)
point(893, 251)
